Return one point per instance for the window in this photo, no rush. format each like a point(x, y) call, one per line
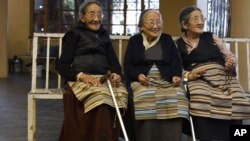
point(120, 16)
point(218, 16)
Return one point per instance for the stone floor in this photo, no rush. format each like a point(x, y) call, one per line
point(13, 111)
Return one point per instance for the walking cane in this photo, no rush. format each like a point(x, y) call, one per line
point(106, 78)
point(190, 117)
point(117, 110)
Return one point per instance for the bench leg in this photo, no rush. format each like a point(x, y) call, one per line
point(31, 117)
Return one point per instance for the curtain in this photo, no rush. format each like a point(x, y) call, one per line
point(218, 20)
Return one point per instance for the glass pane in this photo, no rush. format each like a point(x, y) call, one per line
point(133, 17)
point(151, 4)
point(117, 29)
point(54, 17)
point(117, 17)
point(38, 4)
point(68, 17)
point(117, 4)
point(131, 30)
point(38, 28)
point(69, 4)
point(38, 21)
point(38, 16)
point(134, 4)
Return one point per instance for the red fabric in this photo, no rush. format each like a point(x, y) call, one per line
point(96, 125)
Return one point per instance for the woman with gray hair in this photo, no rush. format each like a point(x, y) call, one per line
point(87, 56)
point(153, 69)
point(217, 100)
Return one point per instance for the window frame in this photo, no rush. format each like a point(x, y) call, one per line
point(61, 24)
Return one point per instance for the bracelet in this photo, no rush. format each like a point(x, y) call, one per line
point(78, 76)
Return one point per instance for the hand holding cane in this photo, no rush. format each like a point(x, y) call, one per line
point(106, 77)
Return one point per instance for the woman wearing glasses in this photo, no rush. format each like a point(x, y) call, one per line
point(153, 66)
point(216, 98)
point(87, 55)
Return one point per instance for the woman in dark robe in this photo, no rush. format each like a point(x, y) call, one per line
point(153, 67)
point(87, 55)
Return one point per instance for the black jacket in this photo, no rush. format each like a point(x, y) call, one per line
point(87, 51)
point(205, 52)
point(134, 62)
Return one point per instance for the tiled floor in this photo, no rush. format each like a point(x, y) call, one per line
point(13, 111)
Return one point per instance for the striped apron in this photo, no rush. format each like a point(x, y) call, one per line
point(159, 100)
point(93, 96)
point(217, 94)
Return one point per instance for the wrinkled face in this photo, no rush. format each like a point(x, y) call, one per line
point(93, 17)
point(152, 24)
point(195, 24)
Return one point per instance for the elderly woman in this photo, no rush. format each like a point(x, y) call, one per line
point(87, 55)
point(153, 66)
point(217, 99)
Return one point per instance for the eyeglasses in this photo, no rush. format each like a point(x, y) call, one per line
point(92, 15)
point(151, 23)
point(198, 19)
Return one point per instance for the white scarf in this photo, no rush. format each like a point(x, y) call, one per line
point(146, 43)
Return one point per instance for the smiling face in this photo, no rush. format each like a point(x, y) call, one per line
point(92, 17)
point(195, 23)
point(152, 25)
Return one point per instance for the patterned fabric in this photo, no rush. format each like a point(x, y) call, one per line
point(217, 94)
point(159, 100)
point(92, 96)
